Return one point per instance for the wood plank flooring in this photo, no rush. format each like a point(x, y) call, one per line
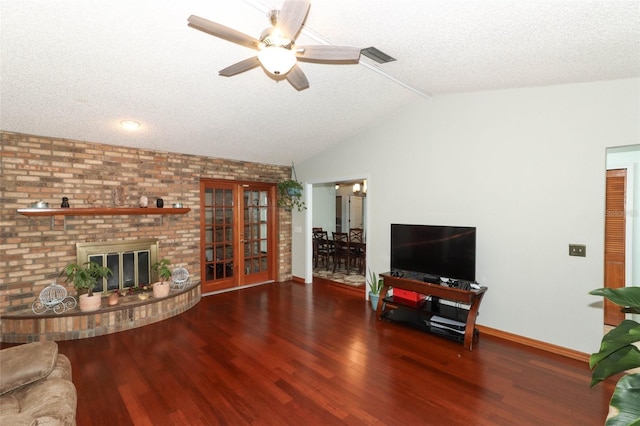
point(294, 354)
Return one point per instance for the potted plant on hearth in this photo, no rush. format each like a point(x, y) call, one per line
point(162, 287)
point(84, 278)
point(290, 192)
point(375, 287)
point(619, 353)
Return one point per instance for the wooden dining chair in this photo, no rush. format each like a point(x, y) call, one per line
point(314, 241)
point(323, 248)
point(356, 235)
point(341, 250)
point(358, 248)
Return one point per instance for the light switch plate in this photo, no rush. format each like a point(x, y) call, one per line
point(578, 250)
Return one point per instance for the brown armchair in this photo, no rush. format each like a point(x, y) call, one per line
point(35, 386)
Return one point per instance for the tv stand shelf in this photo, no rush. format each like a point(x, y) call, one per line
point(421, 314)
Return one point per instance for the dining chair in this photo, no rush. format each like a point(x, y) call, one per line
point(323, 248)
point(356, 234)
point(358, 248)
point(314, 241)
point(341, 250)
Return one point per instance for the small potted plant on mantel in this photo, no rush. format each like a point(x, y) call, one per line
point(84, 278)
point(162, 287)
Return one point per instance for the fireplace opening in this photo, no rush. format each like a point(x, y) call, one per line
point(130, 262)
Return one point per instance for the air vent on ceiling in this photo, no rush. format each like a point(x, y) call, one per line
point(377, 55)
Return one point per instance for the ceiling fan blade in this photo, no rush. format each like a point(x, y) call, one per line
point(221, 31)
point(240, 67)
point(328, 53)
point(297, 78)
point(292, 16)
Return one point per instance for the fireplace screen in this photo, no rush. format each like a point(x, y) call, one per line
point(130, 262)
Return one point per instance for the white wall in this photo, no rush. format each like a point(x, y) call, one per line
point(324, 207)
point(527, 168)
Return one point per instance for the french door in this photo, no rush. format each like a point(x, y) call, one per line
point(238, 233)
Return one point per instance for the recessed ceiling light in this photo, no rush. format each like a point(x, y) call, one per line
point(130, 124)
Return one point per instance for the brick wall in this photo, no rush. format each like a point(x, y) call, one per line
point(33, 251)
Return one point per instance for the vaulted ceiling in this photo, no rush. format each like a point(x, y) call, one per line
point(76, 68)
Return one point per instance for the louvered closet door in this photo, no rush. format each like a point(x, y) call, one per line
point(238, 234)
point(614, 248)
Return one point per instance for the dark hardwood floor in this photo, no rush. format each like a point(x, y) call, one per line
point(294, 354)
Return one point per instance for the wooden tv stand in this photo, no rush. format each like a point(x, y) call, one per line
point(419, 314)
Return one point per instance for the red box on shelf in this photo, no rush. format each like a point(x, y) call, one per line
point(407, 295)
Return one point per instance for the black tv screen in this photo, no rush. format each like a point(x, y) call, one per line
point(442, 251)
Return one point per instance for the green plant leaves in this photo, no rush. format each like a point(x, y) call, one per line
point(626, 333)
point(624, 358)
point(625, 402)
point(375, 284)
point(290, 195)
point(625, 296)
point(162, 269)
point(85, 276)
point(617, 354)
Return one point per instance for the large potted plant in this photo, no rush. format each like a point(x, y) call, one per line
point(290, 192)
point(84, 278)
point(619, 354)
point(162, 287)
point(375, 287)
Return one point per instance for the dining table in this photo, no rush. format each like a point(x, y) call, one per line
point(325, 248)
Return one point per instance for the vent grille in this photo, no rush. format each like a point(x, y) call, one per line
point(377, 55)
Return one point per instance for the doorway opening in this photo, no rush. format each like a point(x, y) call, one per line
point(340, 207)
point(622, 225)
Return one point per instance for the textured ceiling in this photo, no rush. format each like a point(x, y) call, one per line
point(76, 68)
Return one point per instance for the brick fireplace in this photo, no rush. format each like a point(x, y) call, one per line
point(33, 250)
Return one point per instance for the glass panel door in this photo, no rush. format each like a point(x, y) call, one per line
point(255, 236)
point(218, 234)
point(237, 234)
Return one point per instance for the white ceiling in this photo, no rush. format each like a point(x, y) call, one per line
point(76, 68)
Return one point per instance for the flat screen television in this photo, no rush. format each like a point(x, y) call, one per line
point(440, 251)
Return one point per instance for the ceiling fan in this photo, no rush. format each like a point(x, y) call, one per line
point(277, 51)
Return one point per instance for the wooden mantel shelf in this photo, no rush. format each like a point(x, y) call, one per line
point(103, 211)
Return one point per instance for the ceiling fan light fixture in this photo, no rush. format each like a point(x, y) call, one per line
point(277, 53)
point(277, 60)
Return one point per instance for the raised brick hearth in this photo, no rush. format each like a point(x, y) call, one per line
point(130, 312)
